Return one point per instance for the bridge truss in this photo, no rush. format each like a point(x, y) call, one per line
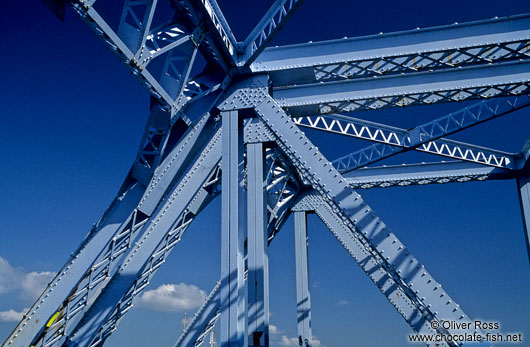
point(227, 118)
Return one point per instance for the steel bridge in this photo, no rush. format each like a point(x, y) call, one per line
point(228, 117)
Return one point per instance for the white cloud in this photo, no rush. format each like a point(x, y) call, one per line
point(273, 330)
point(28, 285)
point(12, 316)
point(34, 283)
point(172, 298)
point(286, 341)
point(342, 302)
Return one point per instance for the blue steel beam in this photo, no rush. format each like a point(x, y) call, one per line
point(257, 253)
point(303, 298)
point(135, 23)
point(269, 25)
point(158, 239)
point(118, 47)
point(424, 88)
point(203, 321)
point(424, 173)
point(33, 326)
point(428, 137)
point(524, 157)
point(457, 45)
point(397, 271)
point(232, 294)
point(101, 252)
point(222, 44)
point(392, 140)
point(523, 186)
point(136, 45)
point(422, 137)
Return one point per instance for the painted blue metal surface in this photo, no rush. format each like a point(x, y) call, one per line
point(269, 25)
point(423, 174)
point(270, 169)
point(408, 51)
point(303, 297)
point(203, 321)
point(425, 138)
point(523, 184)
point(258, 267)
point(478, 82)
point(232, 235)
point(398, 266)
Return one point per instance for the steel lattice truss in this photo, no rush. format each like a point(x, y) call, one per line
point(230, 116)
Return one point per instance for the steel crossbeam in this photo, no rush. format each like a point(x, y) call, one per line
point(422, 174)
point(425, 138)
point(424, 88)
point(446, 47)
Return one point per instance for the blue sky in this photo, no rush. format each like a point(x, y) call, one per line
point(72, 117)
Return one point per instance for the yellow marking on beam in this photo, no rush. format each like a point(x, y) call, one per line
point(54, 317)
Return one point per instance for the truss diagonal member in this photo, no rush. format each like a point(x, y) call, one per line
point(445, 47)
point(34, 323)
point(159, 238)
point(203, 321)
point(398, 273)
point(421, 137)
point(271, 23)
point(101, 253)
point(118, 47)
point(134, 27)
point(479, 82)
point(523, 186)
point(222, 45)
point(524, 156)
point(423, 174)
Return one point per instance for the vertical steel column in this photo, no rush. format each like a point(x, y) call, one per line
point(232, 236)
point(523, 185)
point(258, 267)
point(303, 299)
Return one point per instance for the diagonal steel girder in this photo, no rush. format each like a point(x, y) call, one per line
point(425, 138)
point(424, 88)
point(135, 55)
point(407, 285)
point(223, 44)
point(451, 46)
point(269, 25)
point(423, 174)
